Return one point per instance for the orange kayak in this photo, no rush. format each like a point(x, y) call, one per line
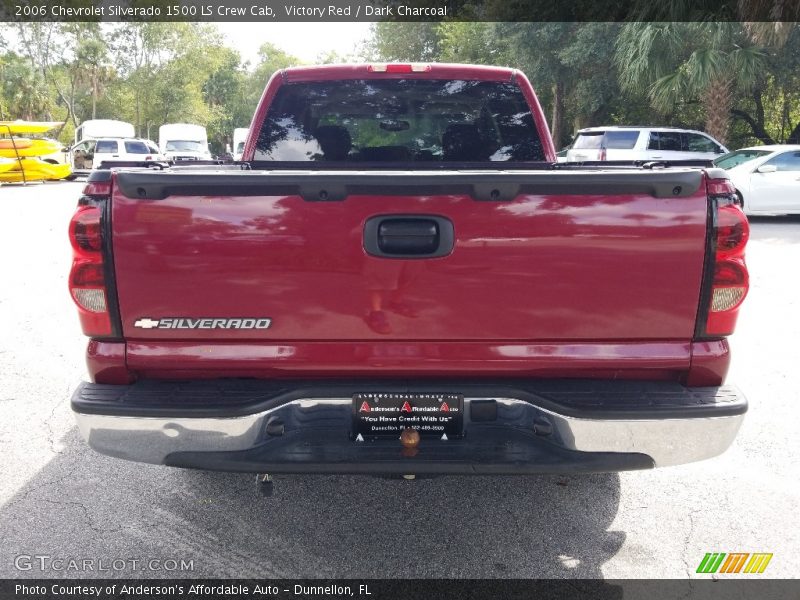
point(26, 147)
point(18, 143)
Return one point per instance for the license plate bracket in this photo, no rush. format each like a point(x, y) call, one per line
point(387, 414)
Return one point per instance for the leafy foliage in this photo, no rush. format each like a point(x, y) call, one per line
point(144, 73)
point(739, 81)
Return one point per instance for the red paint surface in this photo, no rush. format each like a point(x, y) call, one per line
point(431, 359)
point(633, 360)
point(539, 268)
point(710, 362)
point(106, 362)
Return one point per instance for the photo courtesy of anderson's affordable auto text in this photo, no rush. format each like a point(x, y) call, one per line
point(399, 300)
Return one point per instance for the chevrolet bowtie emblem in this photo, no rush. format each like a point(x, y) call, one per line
point(146, 323)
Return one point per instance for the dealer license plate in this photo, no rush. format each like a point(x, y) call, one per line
point(383, 414)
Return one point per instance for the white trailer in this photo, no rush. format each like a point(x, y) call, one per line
point(239, 138)
point(106, 128)
point(183, 141)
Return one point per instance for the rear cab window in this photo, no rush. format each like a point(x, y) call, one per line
point(621, 140)
point(106, 147)
point(134, 147)
point(700, 143)
point(420, 121)
point(589, 140)
point(682, 141)
point(666, 140)
point(611, 140)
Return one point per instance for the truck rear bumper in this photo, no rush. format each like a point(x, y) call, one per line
point(306, 427)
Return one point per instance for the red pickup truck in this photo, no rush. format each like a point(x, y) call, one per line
point(399, 278)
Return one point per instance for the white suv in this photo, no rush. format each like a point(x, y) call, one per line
point(88, 154)
point(643, 143)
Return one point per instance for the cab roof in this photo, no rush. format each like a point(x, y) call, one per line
point(398, 71)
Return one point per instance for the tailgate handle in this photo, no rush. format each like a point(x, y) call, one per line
point(408, 236)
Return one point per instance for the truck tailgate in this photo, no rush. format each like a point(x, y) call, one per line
point(545, 257)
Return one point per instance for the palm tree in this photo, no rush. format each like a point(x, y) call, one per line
point(93, 55)
point(681, 62)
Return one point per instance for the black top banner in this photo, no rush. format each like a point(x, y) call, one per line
point(398, 10)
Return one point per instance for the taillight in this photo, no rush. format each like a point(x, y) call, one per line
point(85, 230)
point(728, 277)
point(87, 279)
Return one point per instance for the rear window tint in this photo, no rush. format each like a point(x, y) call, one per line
point(136, 148)
point(667, 140)
point(592, 140)
point(734, 159)
point(400, 120)
point(106, 147)
point(621, 140)
point(700, 143)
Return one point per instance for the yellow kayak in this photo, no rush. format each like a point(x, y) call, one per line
point(34, 170)
point(6, 164)
point(18, 127)
point(26, 147)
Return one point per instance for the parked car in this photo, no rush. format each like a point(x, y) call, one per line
point(643, 143)
point(90, 153)
point(767, 178)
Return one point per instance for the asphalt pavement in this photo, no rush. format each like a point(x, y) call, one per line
point(59, 499)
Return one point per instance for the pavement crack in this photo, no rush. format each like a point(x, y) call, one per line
point(23, 495)
point(51, 434)
point(684, 555)
point(86, 515)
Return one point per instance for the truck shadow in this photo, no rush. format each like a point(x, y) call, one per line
point(463, 527)
point(82, 504)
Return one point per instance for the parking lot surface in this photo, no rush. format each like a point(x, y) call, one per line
point(60, 499)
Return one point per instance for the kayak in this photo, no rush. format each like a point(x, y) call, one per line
point(22, 127)
point(18, 143)
point(6, 164)
point(26, 147)
point(34, 170)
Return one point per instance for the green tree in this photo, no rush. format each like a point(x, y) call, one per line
point(677, 63)
point(270, 59)
point(92, 57)
point(23, 93)
point(399, 41)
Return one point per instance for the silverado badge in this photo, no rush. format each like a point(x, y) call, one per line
point(202, 323)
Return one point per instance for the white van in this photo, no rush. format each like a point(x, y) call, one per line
point(643, 143)
point(108, 128)
point(239, 138)
point(183, 141)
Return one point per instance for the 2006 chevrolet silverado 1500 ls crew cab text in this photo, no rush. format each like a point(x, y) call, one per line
point(400, 279)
